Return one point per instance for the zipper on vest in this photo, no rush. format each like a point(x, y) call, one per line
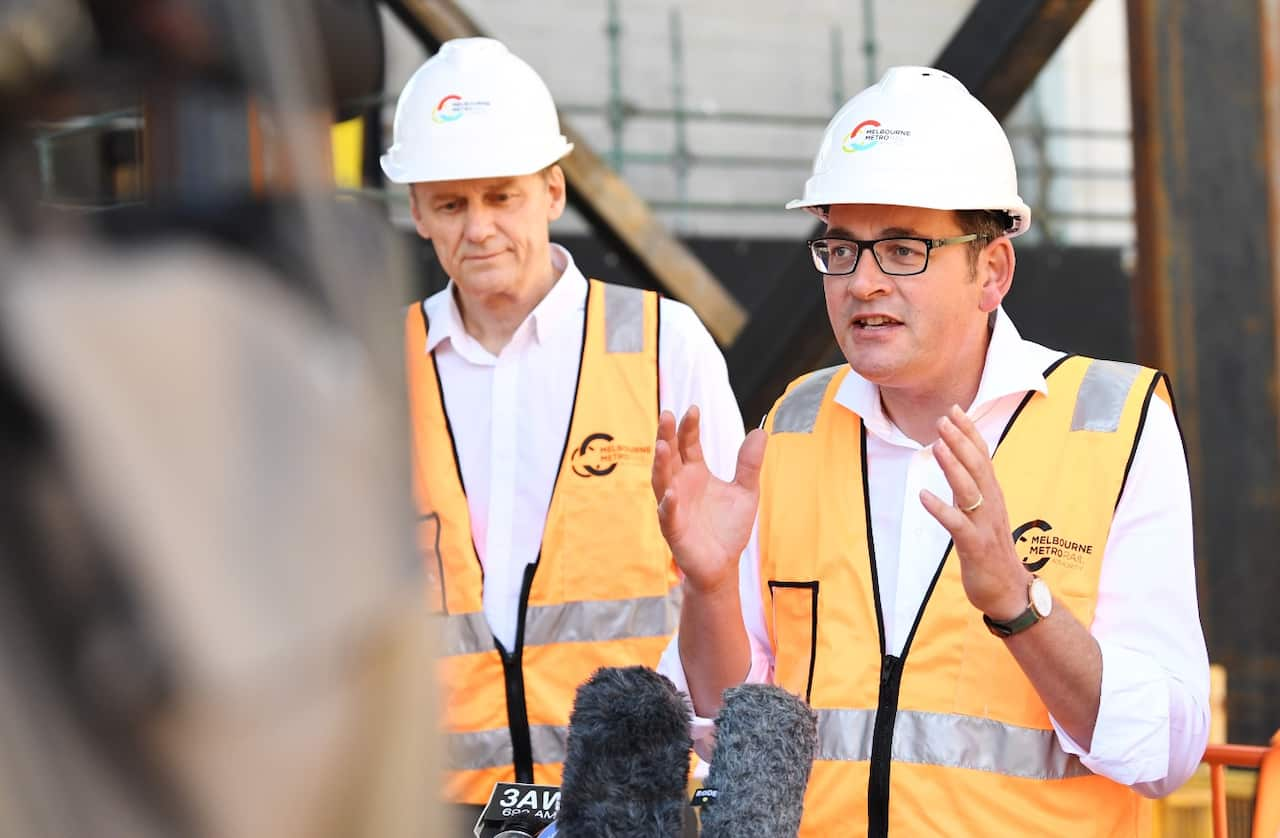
point(890, 680)
point(513, 675)
point(890, 666)
point(882, 747)
point(513, 663)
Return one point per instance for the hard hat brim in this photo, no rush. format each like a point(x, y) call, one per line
point(484, 167)
point(1018, 212)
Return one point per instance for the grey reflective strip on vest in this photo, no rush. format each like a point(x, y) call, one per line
point(845, 734)
point(466, 634)
point(623, 319)
point(492, 748)
point(550, 742)
point(609, 619)
point(1102, 396)
point(481, 749)
point(799, 410)
point(952, 741)
point(572, 622)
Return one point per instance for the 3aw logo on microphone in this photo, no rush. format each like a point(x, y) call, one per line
point(521, 799)
point(525, 806)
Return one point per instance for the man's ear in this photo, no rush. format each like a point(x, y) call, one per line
point(995, 272)
point(556, 189)
point(415, 209)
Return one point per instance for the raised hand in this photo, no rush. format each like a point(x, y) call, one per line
point(994, 579)
point(706, 521)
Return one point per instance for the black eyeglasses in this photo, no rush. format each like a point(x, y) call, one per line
point(898, 256)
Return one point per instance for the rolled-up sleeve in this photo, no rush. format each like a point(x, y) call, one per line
point(1153, 714)
point(761, 668)
point(693, 372)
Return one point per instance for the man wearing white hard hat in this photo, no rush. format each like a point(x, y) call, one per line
point(972, 554)
point(535, 396)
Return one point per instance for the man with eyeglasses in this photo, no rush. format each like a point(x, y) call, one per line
point(970, 553)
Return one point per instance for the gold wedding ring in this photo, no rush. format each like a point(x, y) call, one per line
point(973, 507)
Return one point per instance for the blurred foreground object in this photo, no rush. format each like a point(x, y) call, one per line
point(264, 646)
point(211, 619)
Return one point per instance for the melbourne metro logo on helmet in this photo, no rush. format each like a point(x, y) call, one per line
point(869, 133)
point(443, 112)
point(453, 107)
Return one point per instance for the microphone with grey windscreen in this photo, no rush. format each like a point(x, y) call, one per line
point(626, 766)
point(766, 740)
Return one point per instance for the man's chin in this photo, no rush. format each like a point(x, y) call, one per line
point(484, 272)
point(880, 373)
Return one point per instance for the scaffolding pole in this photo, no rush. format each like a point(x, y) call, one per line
point(617, 114)
point(869, 40)
point(837, 66)
point(680, 158)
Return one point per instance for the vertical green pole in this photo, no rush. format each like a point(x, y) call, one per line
point(681, 157)
point(1044, 170)
point(837, 66)
point(616, 116)
point(869, 40)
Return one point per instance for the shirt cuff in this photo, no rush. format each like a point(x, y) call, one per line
point(703, 729)
point(1131, 736)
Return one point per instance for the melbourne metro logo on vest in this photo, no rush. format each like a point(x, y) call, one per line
point(1037, 547)
point(599, 455)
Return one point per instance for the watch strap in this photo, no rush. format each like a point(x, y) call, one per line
point(1008, 628)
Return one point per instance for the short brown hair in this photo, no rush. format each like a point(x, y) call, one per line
point(989, 225)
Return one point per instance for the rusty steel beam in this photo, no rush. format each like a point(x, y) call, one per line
point(610, 206)
point(1269, 30)
point(996, 52)
point(1002, 45)
point(1207, 291)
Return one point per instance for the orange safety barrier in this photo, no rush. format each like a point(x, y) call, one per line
point(1266, 807)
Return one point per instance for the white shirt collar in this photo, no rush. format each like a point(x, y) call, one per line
point(1013, 365)
point(566, 298)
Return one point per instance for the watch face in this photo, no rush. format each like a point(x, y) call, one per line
point(1041, 598)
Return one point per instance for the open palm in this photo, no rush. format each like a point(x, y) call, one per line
point(706, 521)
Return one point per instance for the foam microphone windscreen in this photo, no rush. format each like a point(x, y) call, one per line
point(766, 739)
point(626, 768)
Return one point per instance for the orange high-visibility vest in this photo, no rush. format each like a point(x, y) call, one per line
point(604, 591)
point(950, 737)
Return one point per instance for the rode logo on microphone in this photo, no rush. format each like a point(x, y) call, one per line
point(704, 797)
point(599, 454)
point(1036, 548)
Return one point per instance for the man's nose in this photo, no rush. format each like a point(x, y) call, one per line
point(867, 280)
point(479, 223)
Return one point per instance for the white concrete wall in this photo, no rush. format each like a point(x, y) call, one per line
point(776, 58)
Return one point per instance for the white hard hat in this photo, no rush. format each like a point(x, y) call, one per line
point(473, 110)
point(916, 138)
